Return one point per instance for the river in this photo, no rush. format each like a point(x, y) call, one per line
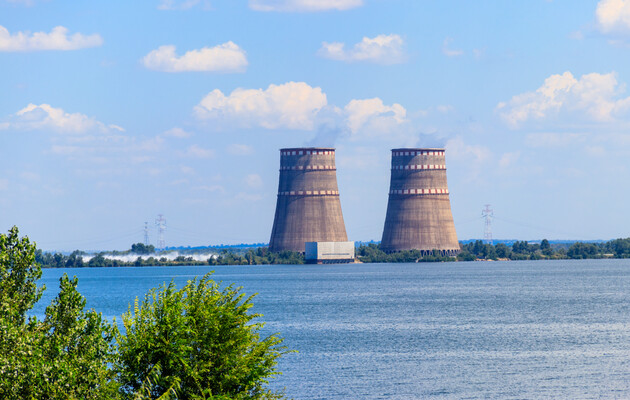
point(473, 330)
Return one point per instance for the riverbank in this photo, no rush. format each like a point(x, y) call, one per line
point(371, 253)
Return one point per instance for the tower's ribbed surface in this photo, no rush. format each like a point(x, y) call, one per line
point(308, 207)
point(419, 210)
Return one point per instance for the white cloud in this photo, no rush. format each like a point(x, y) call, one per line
point(293, 105)
point(553, 139)
point(177, 133)
point(253, 181)
point(458, 150)
point(448, 51)
point(383, 49)
point(44, 116)
point(296, 105)
point(240, 149)
point(29, 176)
point(595, 151)
point(445, 108)
point(374, 114)
point(196, 151)
point(4, 184)
point(594, 96)
point(180, 4)
point(65, 150)
point(57, 39)
point(303, 5)
point(211, 188)
point(613, 15)
point(153, 144)
point(508, 159)
point(184, 169)
point(227, 57)
point(248, 197)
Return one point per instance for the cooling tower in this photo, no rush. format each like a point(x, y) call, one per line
point(419, 210)
point(308, 207)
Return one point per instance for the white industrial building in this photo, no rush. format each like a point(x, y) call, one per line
point(329, 252)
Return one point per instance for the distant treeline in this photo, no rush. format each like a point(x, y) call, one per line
point(618, 248)
point(78, 259)
point(477, 250)
point(370, 253)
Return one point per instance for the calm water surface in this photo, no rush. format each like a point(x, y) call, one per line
point(477, 330)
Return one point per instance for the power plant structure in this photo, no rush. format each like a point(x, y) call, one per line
point(308, 207)
point(419, 209)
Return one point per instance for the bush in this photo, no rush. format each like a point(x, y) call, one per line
point(202, 339)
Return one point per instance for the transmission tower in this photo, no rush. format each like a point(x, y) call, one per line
point(487, 213)
point(146, 233)
point(160, 222)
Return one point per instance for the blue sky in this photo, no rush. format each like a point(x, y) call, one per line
point(114, 112)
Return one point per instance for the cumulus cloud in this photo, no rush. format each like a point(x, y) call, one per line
point(293, 105)
point(297, 105)
point(593, 96)
point(44, 116)
point(382, 49)
point(196, 151)
point(303, 5)
point(57, 39)
point(227, 57)
point(613, 15)
point(448, 51)
point(374, 114)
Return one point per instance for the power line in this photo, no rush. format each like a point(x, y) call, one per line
point(146, 233)
point(487, 213)
point(161, 226)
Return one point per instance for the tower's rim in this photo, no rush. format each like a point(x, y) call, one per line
point(419, 149)
point(308, 148)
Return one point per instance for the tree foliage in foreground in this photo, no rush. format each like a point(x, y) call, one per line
point(66, 355)
point(195, 343)
point(203, 339)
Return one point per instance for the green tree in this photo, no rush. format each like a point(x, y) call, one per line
point(141, 248)
point(583, 250)
point(502, 250)
point(18, 277)
point(545, 247)
point(203, 339)
point(65, 356)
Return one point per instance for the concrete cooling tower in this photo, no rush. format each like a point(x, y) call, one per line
point(308, 207)
point(419, 210)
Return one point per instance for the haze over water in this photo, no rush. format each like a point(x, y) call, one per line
point(477, 330)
